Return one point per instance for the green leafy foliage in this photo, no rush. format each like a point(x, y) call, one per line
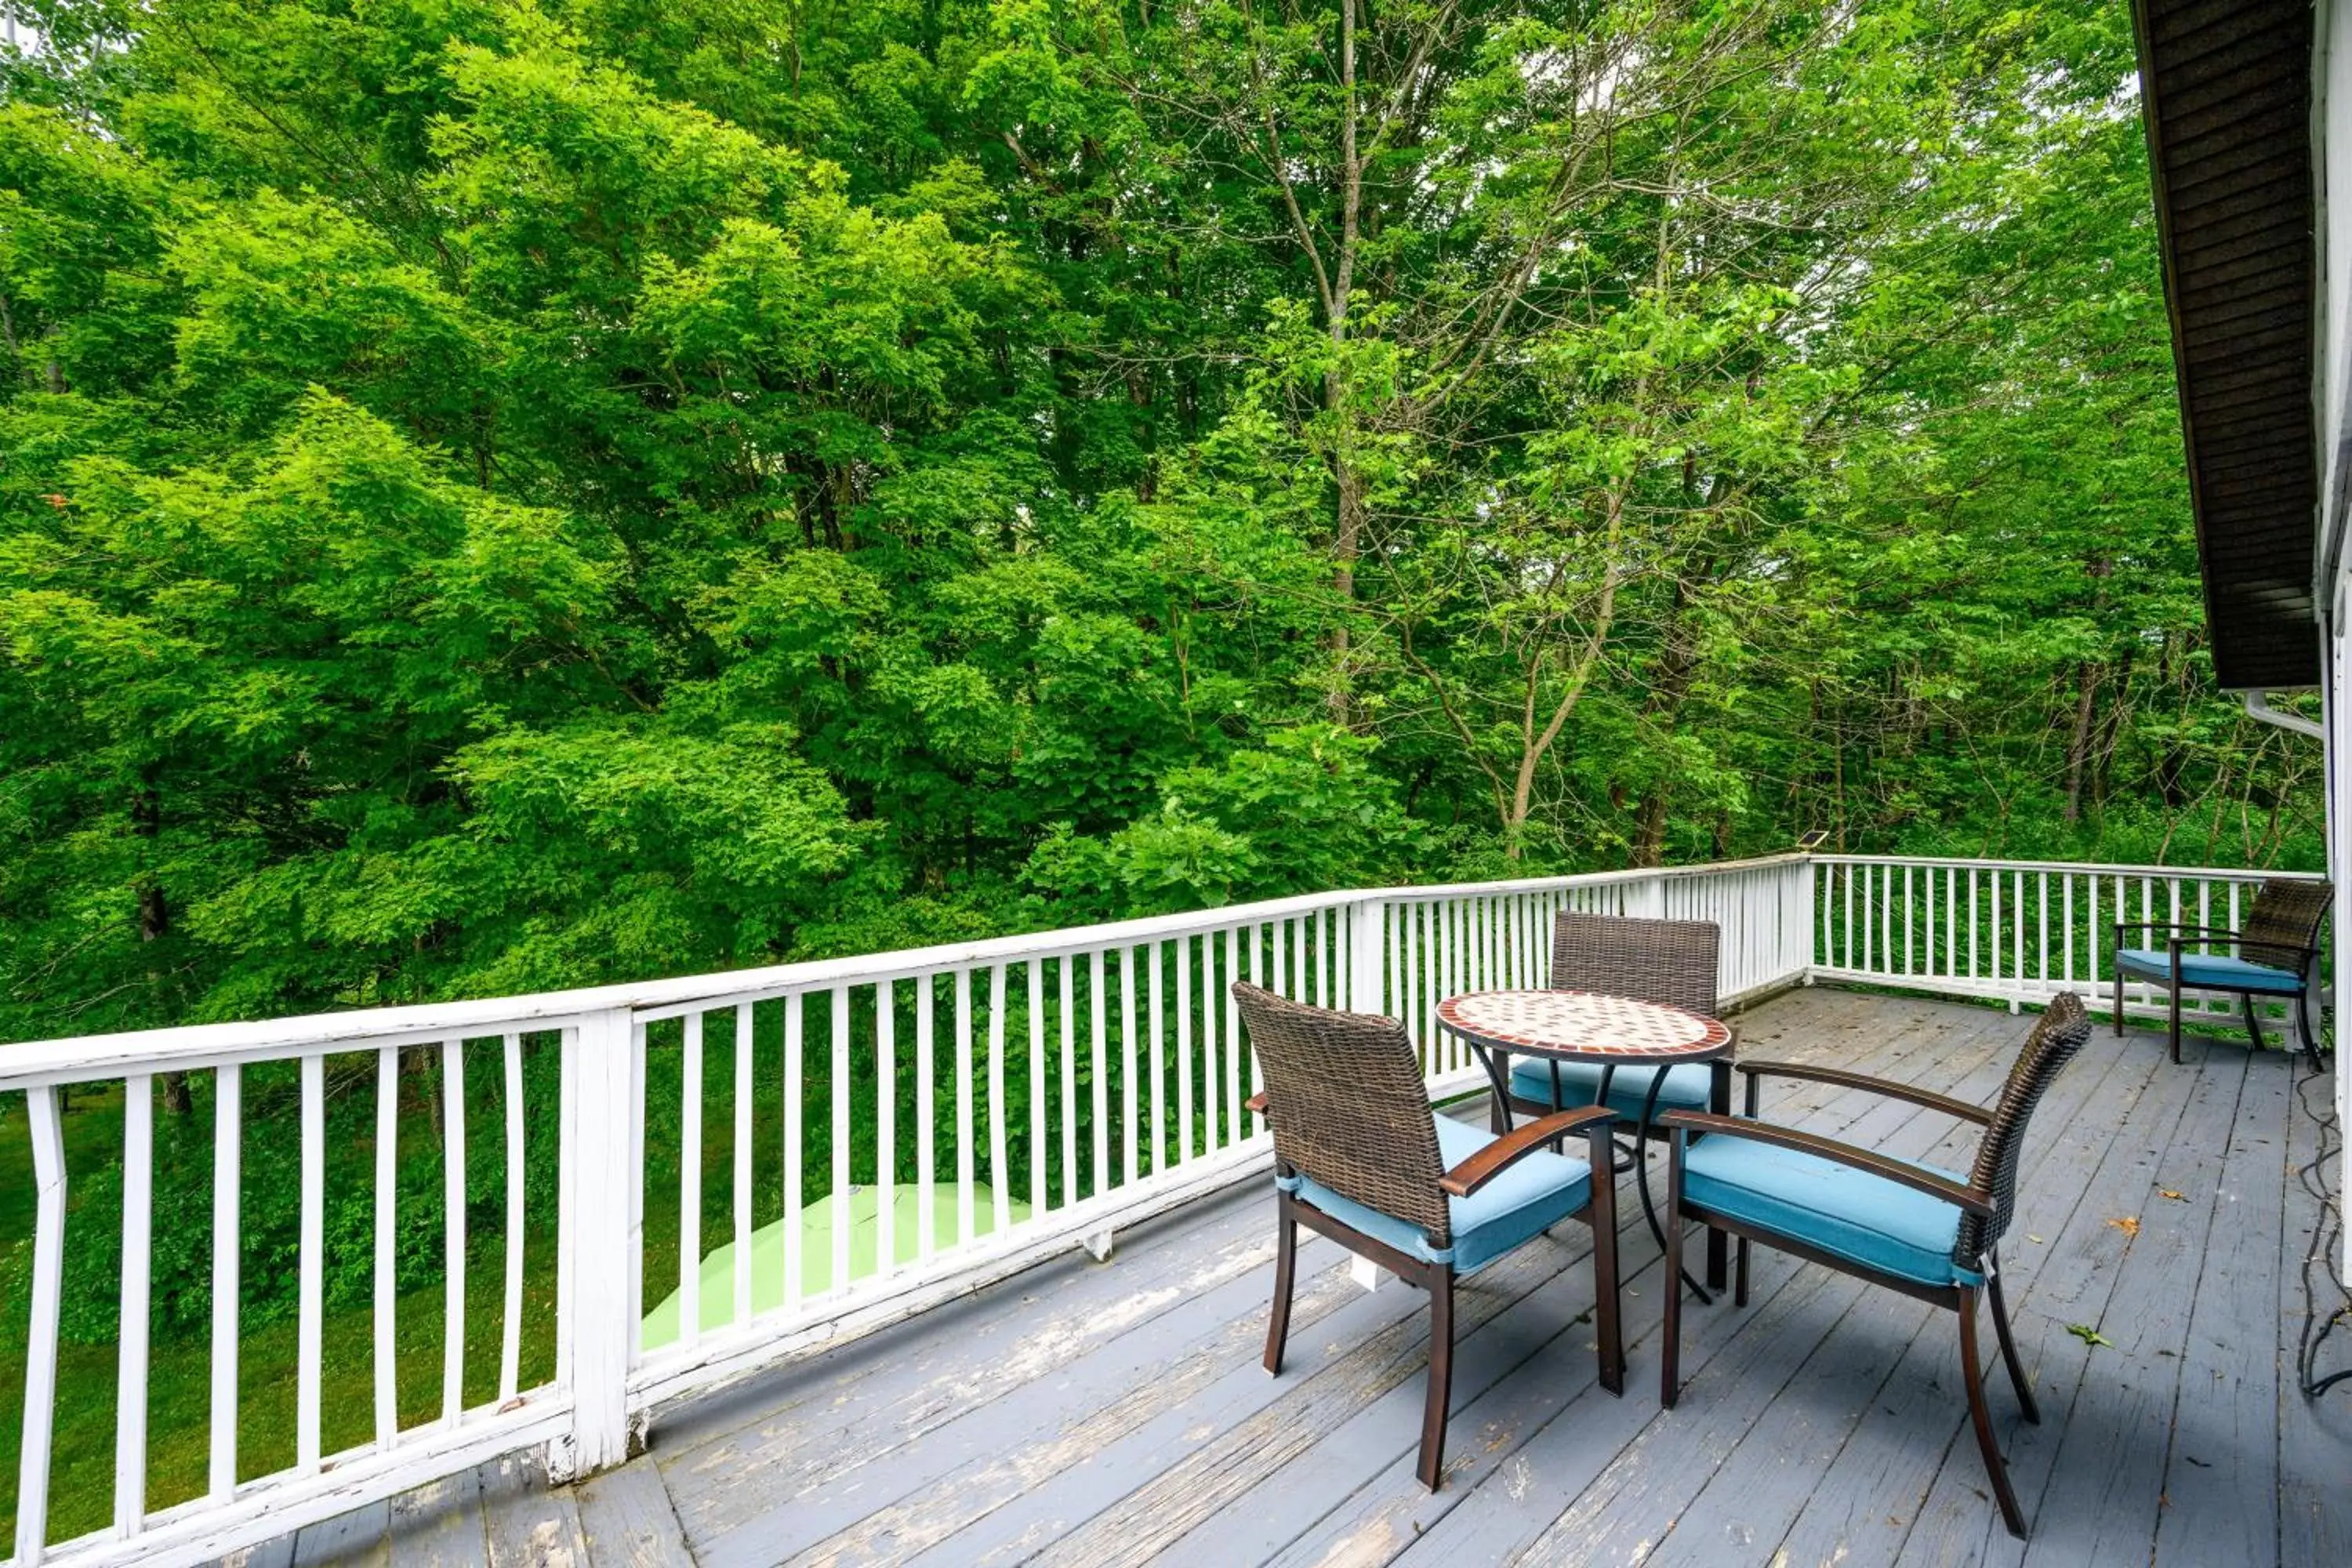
point(513, 493)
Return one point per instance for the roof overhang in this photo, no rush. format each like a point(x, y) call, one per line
point(2226, 94)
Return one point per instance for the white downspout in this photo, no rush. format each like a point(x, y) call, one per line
point(2258, 706)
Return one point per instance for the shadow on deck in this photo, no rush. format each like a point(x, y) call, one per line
point(1117, 1414)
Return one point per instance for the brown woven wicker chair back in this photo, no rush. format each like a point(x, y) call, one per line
point(1348, 1105)
point(1669, 961)
point(2057, 1035)
point(2287, 912)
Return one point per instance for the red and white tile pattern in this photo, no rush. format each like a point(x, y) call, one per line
point(1581, 1024)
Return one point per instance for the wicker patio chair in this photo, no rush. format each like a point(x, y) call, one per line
point(1669, 961)
point(1360, 1157)
point(2277, 956)
point(1911, 1227)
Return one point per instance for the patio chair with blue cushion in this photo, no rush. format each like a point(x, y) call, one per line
point(1359, 1155)
point(2276, 956)
point(1669, 961)
point(1928, 1233)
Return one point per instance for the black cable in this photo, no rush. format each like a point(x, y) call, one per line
point(2314, 1179)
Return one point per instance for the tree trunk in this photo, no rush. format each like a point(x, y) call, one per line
point(2078, 745)
point(1347, 542)
point(1671, 683)
point(1348, 533)
point(155, 919)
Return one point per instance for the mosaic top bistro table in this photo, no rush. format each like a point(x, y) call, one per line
point(1582, 1025)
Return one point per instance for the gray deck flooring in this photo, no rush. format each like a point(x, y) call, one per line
point(1086, 1414)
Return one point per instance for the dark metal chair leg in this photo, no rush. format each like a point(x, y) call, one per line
point(1609, 1333)
point(1718, 1242)
point(2009, 1343)
point(1670, 1345)
point(1286, 1253)
point(2302, 1005)
point(2253, 1020)
point(2119, 998)
point(1972, 1374)
point(1740, 1273)
point(2173, 992)
point(1440, 1375)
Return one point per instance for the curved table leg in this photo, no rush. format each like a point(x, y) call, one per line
point(1498, 1073)
point(1642, 1179)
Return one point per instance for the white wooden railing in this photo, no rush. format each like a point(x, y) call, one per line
point(2019, 931)
point(917, 1122)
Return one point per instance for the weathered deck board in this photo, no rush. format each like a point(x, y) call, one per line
point(360, 1538)
point(2071, 1285)
point(2315, 1437)
point(529, 1524)
point(2105, 1490)
point(1828, 1318)
point(1895, 1361)
point(1088, 1414)
point(924, 1374)
point(627, 1521)
point(2220, 1478)
point(1862, 1506)
point(440, 1525)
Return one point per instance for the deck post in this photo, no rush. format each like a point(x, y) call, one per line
point(595, 1338)
point(1799, 921)
point(1366, 955)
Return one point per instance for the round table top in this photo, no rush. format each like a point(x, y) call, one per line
point(1583, 1024)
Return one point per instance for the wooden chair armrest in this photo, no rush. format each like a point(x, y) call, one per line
point(1975, 1200)
point(1516, 1145)
point(1960, 1109)
point(1256, 1102)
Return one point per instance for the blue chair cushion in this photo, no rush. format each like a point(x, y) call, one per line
point(2214, 970)
point(1686, 1087)
point(1849, 1214)
point(1533, 1196)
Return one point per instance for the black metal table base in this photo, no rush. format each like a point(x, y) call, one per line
point(1498, 1074)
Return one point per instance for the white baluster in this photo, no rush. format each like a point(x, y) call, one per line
point(689, 1187)
point(387, 1217)
point(310, 1355)
point(453, 1187)
point(967, 1158)
point(138, 1252)
point(742, 1172)
point(227, 1150)
point(886, 1128)
point(41, 1339)
point(838, 1276)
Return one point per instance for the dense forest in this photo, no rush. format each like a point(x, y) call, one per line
point(500, 494)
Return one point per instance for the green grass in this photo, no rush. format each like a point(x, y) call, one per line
point(81, 1486)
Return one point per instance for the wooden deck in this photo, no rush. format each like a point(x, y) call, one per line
point(1117, 1414)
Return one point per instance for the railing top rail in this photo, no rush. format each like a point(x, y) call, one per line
point(2234, 873)
point(142, 1050)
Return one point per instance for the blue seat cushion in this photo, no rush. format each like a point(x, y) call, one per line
point(1533, 1196)
point(1686, 1087)
point(1849, 1214)
point(2216, 971)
